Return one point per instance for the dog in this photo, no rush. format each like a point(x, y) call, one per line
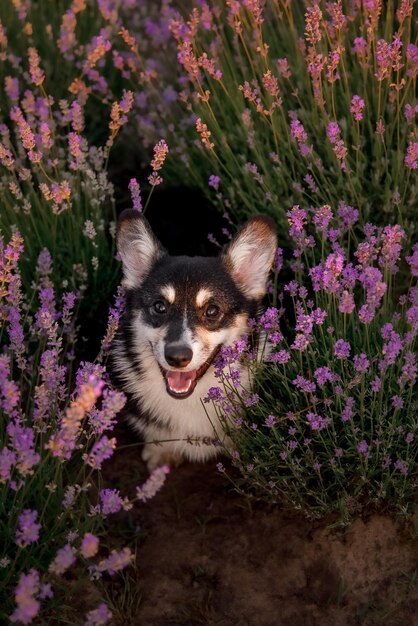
point(180, 311)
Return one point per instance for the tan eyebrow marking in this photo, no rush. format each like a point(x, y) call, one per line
point(202, 296)
point(168, 292)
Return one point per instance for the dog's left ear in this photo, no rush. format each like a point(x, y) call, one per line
point(250, 255)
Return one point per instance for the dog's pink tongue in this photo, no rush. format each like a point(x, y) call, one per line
point(180, 382)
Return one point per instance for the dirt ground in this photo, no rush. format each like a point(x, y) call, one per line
point(207, 556)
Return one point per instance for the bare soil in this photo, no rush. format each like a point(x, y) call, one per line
point(207, 556)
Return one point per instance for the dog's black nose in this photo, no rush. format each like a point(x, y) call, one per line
point(178, 355)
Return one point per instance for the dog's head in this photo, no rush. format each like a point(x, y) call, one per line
point(187, 308)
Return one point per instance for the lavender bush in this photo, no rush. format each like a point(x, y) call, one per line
point(331, 425)
point(54, 180)
point(56, 425)
point(290, 102)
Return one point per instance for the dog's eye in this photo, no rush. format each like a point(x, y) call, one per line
point(159, 307)
point(212, 311)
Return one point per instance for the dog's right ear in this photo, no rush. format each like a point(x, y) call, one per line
point(138, 247)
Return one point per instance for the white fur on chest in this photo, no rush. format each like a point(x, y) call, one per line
point(186, 424)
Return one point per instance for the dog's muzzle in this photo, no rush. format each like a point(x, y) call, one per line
point(181, 384)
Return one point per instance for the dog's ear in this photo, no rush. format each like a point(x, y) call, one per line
point(250, 255)
point(138, 247)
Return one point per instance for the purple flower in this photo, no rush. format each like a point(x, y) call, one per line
point(409, 370)
point(270, 421)
point(102, 450)
point(251, 399)
point(112, 502)
point(64, 558)
point(412, 317)
point(411, 158)
point(346, 304)
point(413, 260)
point(347, 413)
point(376, 384)
point(279, 357)
point(366, 313)
point(153, 484)
point(333, 132)
point(303, 384)
point(105, 418)
point(214, 181)
point(316, 422)
point(89, 546)
point(392, 237)
point(214, 394)
point(135, 190)
point(301, 342)
point(322, 217)
point(298, 133)
point(334, 264)
point(323, 374)
point(7, 461)
point(99, 616)
point(401, 466)
point(342, 349)
point(22, 441)
point(28, 530)
point(397, 402)
point(348, 215)
point(270, 319)
point(361, 362)
point(26, 590)
point(363, 447)
point(115, 562)
point(297, 219)
point(356, 108)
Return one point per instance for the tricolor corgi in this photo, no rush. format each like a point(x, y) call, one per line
point(179, 313)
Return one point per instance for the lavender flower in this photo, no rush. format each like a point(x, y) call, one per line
point(361, 362)
point(112, 502)
point(28, 530)
point(153, 485)
point(270, 421)
point(99, 616)
point(363, 447)
point(63, 560)
point(115, 562)
point(342, 349)
point(25, 593)
point(89, 546)
point(303, 384)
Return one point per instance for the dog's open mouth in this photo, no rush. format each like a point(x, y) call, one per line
point(181, 384)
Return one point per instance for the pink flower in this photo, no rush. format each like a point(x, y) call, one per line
point(284, 68)
point(153, 484)
point(411, 159)
point(160, 154)
point(346, 304)
point(64, 558)
point(89, 545)
point(135, 190)
point(27, 605)
point(37, 75)
point(356, 108)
